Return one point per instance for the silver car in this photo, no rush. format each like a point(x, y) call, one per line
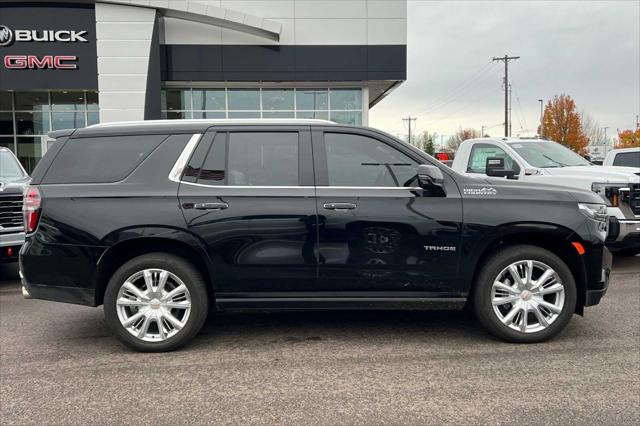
point(13, 181)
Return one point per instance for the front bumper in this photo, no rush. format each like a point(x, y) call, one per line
point(598, 277)
point(623, 233)
point(10, 246)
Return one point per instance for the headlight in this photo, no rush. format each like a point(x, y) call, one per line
point(594, 211)
point(609, 192)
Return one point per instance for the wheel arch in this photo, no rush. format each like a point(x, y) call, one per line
point(116, 255)
point(555, 238)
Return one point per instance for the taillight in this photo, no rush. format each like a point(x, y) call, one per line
point(31, 209)
point(442, 156)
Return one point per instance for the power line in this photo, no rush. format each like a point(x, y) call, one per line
point(480, 75)
point(506, 60)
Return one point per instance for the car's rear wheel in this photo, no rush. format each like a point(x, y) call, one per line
point(156, 302)
point(525, 294)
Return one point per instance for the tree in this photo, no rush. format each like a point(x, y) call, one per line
point(591, 129)
point(628, 139)
point(460, 136)
point(426, 141)
point(561, 123)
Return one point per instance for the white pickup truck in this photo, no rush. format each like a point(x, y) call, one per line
point(551, 163)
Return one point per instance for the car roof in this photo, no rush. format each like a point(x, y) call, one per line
point(181, 126)
point(620, 150)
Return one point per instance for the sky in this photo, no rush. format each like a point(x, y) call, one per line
point(589, 50)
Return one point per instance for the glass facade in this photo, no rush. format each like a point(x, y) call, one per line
point(27, 117)
point(342, 105)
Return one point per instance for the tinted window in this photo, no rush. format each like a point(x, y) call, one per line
point(480, 153)
point(192, 171)
point(355, 160)
point(263, 159)
point(628, 159)
point(213, 169)
point(101, 159)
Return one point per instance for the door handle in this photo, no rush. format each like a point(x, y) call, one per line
point(210, 206)
point(339, 206)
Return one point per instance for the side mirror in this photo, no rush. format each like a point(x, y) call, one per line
point(495, 168)
point(429, 176)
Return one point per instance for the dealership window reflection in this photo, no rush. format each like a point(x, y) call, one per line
point(342, 105)
point(27, 117)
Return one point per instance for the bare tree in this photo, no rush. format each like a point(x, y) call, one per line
point(460, 136)
point(426, 141)
point(591, 128)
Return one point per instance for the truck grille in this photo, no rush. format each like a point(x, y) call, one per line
point(634, 198)
point(11, 212)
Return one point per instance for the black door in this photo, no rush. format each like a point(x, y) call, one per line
point(379, 232)
point(249, 195)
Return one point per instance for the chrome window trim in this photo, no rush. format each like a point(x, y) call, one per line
point(403, 188)
point(175, 175)
point(176, 171)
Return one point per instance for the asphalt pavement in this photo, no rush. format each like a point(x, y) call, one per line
point(59, 365)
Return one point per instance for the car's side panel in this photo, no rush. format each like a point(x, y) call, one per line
point(263, 239)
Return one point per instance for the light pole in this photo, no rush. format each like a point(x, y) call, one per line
point(605, 140)
point(541, 102)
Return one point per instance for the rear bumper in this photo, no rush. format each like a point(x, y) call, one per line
point(60, 273)
point(75, 295)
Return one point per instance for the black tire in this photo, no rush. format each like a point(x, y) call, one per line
point(491, 270)
point(191, 278)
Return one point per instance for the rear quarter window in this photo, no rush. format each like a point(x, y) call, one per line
point(101, 159)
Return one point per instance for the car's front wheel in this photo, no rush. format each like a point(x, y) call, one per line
point(525, 294)
point(156, 302)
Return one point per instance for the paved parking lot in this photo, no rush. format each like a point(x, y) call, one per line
point(59, 365)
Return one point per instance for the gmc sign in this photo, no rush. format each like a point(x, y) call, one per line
point(59, 62)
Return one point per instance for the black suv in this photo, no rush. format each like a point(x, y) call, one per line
point(161, 220)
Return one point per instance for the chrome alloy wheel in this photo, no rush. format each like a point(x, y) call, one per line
point(153, 305)
point(527, 296)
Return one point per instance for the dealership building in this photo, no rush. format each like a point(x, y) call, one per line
point(78, 62)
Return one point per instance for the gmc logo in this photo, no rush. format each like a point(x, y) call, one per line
point(59, 62)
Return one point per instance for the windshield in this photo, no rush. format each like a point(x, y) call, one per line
point(548, 154)
point(9, 167)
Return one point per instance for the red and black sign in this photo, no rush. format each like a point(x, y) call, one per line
point(47, 46)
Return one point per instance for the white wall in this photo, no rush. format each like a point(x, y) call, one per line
point(123, 36)
point(304, 22)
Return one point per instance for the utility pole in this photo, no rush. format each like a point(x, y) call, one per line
point(510, 125)
point(541, 115)
point(482, 132)
point(409, 119)
point(506, 60)
point(606, 144)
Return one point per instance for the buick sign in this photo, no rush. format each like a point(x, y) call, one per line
point(6, 36)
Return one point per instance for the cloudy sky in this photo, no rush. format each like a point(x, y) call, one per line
point(588, 49)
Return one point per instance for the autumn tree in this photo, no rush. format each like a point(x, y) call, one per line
point(628, 139)
point(460, 136)
point(561, 123)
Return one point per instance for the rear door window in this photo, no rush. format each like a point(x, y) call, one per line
point(101, 159)
point(627, 159)
point(249, 159)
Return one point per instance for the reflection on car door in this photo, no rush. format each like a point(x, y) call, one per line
point(249, 197)
point(378, 231)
